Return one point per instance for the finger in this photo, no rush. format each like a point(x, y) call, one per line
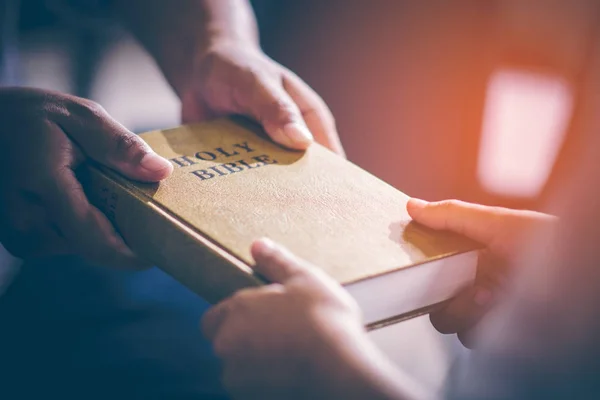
point(268, 103)
point(315, 112)
point(213, 319)
point(481, 223)
point(108, 142)
point(86, 229)
point(464, 311)
point(276, 263)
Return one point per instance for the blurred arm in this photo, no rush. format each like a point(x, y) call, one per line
point(172, 30)
point(541, 341)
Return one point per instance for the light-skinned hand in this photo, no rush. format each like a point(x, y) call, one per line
point(232, 77)
point(501, 230)
point(300, 337)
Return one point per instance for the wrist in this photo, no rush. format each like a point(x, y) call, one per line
point(212, 47)
point(216, 35)
point(223, 43)
point(176, 36)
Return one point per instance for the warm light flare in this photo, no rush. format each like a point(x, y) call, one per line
point(525, 121)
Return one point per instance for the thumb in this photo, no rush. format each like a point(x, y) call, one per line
point(279, 115)
point(108, 142)
point(497, 228)
point(480, 223)
point(276, 263)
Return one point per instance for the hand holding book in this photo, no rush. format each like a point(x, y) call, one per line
point(45, 137)
point(209, 51)
point(302, 335)
point(232, 185)
point(233, 78)
point(501, 230)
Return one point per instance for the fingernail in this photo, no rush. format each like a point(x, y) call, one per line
point(266, 245)
point(417, 203)
point(155, 163)
point(263, 247)
point(298, 133)
point(482, 296)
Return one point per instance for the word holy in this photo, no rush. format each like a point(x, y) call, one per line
point(227, 168)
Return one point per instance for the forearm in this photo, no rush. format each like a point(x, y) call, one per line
point(178, 32)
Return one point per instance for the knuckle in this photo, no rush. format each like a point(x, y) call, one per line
point(279, 109)
point(449, 205)
point(124, 143)
point(88, 109)
point(52, 105)
point(129, 145)
point(252, 76)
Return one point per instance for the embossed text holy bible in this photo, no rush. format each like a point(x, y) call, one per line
point(231, 186)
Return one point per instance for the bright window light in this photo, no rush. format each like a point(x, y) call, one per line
point(525, 121)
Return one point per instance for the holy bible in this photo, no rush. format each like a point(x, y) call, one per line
point(231, 185)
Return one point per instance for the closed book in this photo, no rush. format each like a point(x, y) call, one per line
point(232, 185)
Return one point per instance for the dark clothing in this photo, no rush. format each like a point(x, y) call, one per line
point(70, 330)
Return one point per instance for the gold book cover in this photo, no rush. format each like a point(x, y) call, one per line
point(231, 185)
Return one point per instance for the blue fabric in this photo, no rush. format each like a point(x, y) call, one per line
point(73, 330)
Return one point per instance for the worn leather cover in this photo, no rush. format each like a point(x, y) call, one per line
point(231, 186)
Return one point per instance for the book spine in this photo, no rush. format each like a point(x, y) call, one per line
point(164, 240)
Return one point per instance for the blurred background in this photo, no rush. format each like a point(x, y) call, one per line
point(417, 95)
